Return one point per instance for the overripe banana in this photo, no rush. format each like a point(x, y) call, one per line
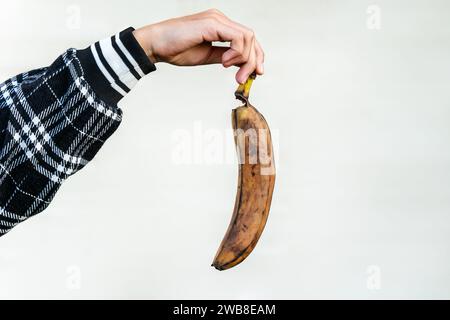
point(256, 182)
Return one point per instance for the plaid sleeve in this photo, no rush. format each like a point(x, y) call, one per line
point(54, 120)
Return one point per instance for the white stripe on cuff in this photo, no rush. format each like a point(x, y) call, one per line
point(116, 63)
point(129, 56)
point(105, 72)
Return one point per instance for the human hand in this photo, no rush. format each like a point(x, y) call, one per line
point(187, 41)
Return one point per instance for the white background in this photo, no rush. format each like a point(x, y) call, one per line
point(362, 200)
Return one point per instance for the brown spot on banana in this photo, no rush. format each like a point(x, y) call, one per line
point(256, 180)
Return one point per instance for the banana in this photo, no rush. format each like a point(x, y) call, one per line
point(256, 182)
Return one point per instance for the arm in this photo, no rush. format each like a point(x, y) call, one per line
point(54, 120)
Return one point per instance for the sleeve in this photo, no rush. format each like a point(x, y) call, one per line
point(54, 120)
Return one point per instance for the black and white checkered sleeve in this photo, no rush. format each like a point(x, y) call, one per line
point(54, 120)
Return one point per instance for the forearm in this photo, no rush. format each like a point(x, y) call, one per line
point(54, 120)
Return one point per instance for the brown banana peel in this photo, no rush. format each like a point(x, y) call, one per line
point(256, 181)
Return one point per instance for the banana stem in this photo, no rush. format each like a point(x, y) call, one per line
point(243, 91)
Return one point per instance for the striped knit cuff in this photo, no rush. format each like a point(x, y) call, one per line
point(114, 65)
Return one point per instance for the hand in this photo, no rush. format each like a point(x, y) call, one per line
point(187, 41)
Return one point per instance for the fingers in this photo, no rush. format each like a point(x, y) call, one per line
point(259, 59)
point(213, 30)
point(243, 56)
point(249, 38)
point(248, 67)
point(244, 51)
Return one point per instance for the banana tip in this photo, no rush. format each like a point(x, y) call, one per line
point(218, 267)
